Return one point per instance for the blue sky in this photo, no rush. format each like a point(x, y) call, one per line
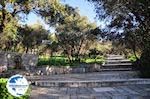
point(85, 8)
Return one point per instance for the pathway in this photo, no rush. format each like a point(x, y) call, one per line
point(116, 80)
point(121, 92)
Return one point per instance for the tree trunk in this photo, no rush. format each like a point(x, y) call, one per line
point(27, 49)
point(69, 58)
point(79, 50)
point(3, 19)
point(134, 51)
point(51, 53)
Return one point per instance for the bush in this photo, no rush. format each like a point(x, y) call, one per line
point(98, 60)
point(4, 94)
point(132, 58)
point(63, 61)
point(53, 61)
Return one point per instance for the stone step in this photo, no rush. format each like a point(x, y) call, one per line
point(88, 76)
point(116, 69)
point(111, 66)
point(4, 75)
point(111, 55)
point(90, 83)
point(120, 92)
point(117, 61)
point(119, 64)
point(115, 58)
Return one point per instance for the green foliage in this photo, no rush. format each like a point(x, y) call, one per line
point(132, 58)
point(31, 37)
point(92, 60)
point(133, 17)
point(11, 9)
point(94, 53)
point(74, 35)
point(14, 11)
point(9, 35)
point(4, 94)
point(63, 61)
point(53, 61)
point(102, 48)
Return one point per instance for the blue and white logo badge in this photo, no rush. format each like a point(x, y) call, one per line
point(17, 85)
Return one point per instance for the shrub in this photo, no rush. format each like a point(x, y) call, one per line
point(132, 58)
point(53, 61)
point(63, 61)
point(98, 60)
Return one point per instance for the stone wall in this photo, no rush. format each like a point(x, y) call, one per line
point(11, 59)
point(3, 60)
point(29, 61)
point(46, 70)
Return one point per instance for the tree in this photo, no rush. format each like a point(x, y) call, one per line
point(31, 37)
point(74, 34)
point(13, 11)
point(134, 18)
point(54, 45)
point(9, 38)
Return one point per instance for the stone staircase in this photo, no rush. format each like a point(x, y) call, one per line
point(117, 63)
point(117, 71)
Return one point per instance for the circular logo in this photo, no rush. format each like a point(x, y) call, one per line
point(17, 85)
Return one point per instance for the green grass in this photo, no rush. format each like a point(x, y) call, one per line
point(63, 61)
point(4, 94)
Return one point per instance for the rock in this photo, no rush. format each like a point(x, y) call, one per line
point(3, 69)
point(29, 60)
point(12, 59)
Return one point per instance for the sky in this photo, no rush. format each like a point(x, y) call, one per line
point(85, 9)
